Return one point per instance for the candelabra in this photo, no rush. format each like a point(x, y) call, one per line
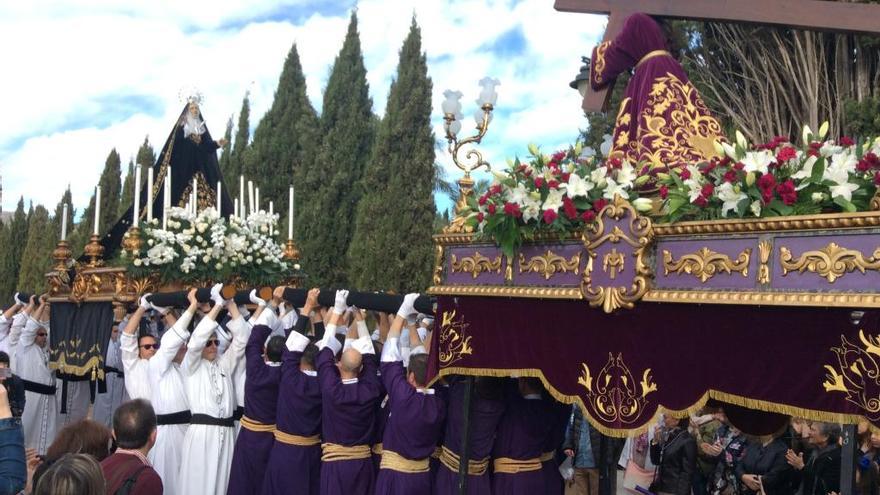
point(61, 255)
point(131, 241)
point(472, 159)
point(95, 251)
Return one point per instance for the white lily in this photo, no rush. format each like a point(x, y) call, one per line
point(840, 163)
point(695, 189)
point(758, 161)
point(730, 197)
point(730, 151)
point(531, 209)
point(613, 188)
point(806, 170)
point(577, 186)
point(554, 200)
point(756, 208)
point(626, 174)
point(829, 148)
point(607, 142)
point(598, 176)
point(843, 187)
point(643, 204)
point(517, 195)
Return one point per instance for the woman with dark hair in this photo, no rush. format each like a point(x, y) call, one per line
point(72, 474)
point(763, 466)
point(83, 437)
point(867, 482)
point(819, 473)
point(674, 451)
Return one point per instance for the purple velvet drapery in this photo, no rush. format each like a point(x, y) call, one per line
point(625, 366)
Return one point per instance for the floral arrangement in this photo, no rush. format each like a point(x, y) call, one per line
point(565, 191)
point(206, 247)
point(775, 179)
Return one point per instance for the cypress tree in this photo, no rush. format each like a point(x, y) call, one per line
point(127, 190)
point(225, 160)
point(146, 157)
point(4, 244)
point(242, 136)
point(15, 239)
point(284, 142)
point(39, 246)
point(347, 127)
point(391, 247)
point(111, 186)
point(81, 234)
point(66, 198)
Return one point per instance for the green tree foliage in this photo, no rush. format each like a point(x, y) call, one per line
point(14, 240)
point(347, 127)
point(863, 118)
point(127, 197)
point(39, 246)
point(285, 141)
point(66, 198)
point(146, 157)
point(239, 148)
point(225, 162)
point(391, 247)
point(111, 187)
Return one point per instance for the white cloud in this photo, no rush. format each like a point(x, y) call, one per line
point(91, 75)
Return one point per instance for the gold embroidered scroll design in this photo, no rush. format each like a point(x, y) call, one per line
point(455, 343)
point(857, 373)
point(705, 263)
point(599, 66)
point(549, 264)
point(475, 264)
point(830, 262)
point(613, 395)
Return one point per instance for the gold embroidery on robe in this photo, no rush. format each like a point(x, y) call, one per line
point(600, 61)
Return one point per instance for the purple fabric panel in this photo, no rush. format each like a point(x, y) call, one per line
point(855, 280)
point(490, 277)
point(560, 278)
point(721, 279)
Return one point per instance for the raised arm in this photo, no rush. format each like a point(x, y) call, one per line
point(128, 340)
point(200, 336)
point(176, 335)
point(241, 332)
point(384, 326)
point(393, 375)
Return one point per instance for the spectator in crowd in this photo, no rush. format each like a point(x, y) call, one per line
point(72, 474)
point(727, 449)
point(703, 428)
point(674, 452)
point(12, 459)
point(763, 466)
point(128, 470)
point(83, 437)
point(582, 445)
point(13, 385)
point(819, 474)
point(867, 475)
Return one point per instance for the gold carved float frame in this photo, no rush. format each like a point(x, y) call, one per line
point(826, 263)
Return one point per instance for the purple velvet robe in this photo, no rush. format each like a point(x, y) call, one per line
point(662, 121)
point(299, 413)
point(413, 429)
point(382, 411)
point(485, 415)
point(348, 418)
point(252, 448)
point(522, 434)
point(553, 482)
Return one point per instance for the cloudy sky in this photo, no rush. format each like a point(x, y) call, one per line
point(84, 76)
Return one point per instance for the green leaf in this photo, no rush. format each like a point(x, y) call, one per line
point(818, 171)
point(843, 203)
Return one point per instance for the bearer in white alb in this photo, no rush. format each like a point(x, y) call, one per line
point(170, 401)
point(114, 395)
point(32, 361)
point(210, 438)
point(136, 353)
point(6, 322)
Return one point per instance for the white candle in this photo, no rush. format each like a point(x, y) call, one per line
point(219, 195)
point(272, 210)
point(251, 196)
point(166, 198)
point(168, 182)
point(195, 196)
point(97, 209)
point(137, 196)
point(241, 195)
point(150, 198)
point(235, 208)
point(64, 223)
point(290, 214)
point(257, 198)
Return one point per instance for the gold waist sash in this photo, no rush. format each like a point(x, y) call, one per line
point(452, 462)
point(249, 424)
point(377, 449)
point(396, 462)
point(331, 452)
point(436, 453)
point(547, 456)
point(650, 55)
point(297, 440)
point(512, 466)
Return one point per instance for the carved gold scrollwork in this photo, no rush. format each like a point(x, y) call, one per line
point(476, 264)
point(613, 395)
point(454, 341)
point(830, 262)
point(705, 263)
point(437, 276)
point(613, 262)
point(549, 264)
point(764, 250)
point(639, 238)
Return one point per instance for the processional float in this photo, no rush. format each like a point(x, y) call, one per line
point(629, 315)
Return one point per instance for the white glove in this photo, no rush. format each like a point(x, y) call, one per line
point(144, 303)
point(407, 308)
point(341, 305)
point(257, 299)
point(216, 296)
point(18, 299)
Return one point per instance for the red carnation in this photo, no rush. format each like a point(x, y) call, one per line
point(787, 192)
point(553, 184)
point(558, 156)
point(539, 182)
point(701, 201)
point(480, 217)
point(491, 208)
point(664, 191)
point(495, 189)
point(553, 165)
point(707, 190)
point(739, 166)
point(847, 141)
point(483, 198)
point(685, 174)
point(766, 181)
point(730, 176)
point(549, 216)
point(599, 204)
point(877, 178)
point(566, 176)
point(588, 216)
point(785, 154)
point(615, 163)
point(512, 209)
point(864, 165)
point(568, 207)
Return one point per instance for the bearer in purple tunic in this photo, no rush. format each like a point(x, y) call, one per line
point(295, 460)
point(255, 440)
point(522, 433)
point(415, 418)
point(487, 406)
point(553, 482)
point(349, 392)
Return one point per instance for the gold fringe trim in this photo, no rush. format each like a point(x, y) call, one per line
point(452, 462)
point(760, 405)
point(300, 441)
point(331, 452)
point(512, 466)
point(249, 424)
point(396, 462)
point(94, 365)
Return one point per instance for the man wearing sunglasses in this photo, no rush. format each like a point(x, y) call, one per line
point(137, 349)
point(39, 418)
point(210, 439)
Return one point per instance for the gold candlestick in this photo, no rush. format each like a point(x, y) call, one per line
point(291, 252)
point(61, 255)
point(131, 241)
point(95, 251)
